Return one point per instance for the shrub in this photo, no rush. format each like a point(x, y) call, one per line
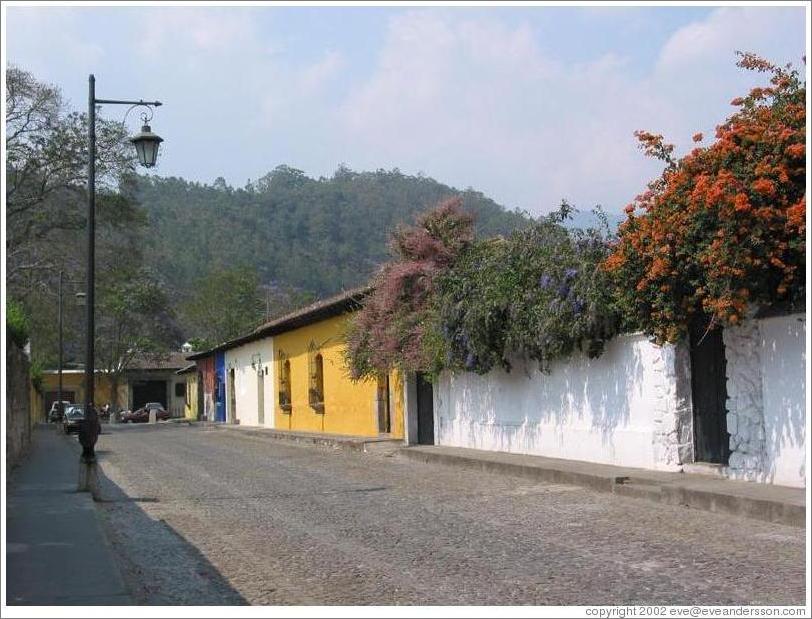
point(723, 229)
point(538, 294)
point(17, 323)
point(389, 330)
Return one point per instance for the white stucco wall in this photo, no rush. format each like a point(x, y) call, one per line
point(240, 359)
point(766, 387)
point(621, 408)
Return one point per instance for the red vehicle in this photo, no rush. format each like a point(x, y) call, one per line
point(141, 415)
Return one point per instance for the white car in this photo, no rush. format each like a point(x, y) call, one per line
point(55, 414)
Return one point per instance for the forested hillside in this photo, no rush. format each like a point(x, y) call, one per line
point(315, 235)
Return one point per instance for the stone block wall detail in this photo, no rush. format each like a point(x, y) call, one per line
point(745, 409)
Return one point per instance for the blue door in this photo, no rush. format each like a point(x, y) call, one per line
point(219, 387)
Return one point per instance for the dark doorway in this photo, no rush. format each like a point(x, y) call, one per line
point(149, 391)
point(425, 411)
point(201, 405)
point(709, 395)
point(384, 421)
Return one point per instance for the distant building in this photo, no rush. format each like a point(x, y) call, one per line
point(290, 374)
point(149, 379)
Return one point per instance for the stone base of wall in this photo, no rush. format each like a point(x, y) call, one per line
point(18, 405)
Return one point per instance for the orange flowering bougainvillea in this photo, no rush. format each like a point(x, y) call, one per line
point(723, 229)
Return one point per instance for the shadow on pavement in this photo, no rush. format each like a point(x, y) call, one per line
point(159, 565)
point(63, 549)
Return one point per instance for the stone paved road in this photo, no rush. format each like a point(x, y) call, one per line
point(204, 516)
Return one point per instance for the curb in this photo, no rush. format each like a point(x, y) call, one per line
point(361, 444)
point(640, 487)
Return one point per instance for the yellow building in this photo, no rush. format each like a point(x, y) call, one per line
point(73, 390)
point(314, 391)
point(191, 405)
point(152, 379)
point(293, 367)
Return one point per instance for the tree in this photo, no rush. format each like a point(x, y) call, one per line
point(46, 200)
point(226, 303)
point(389, 331)
point(722, 231)
point(540, 294)
point(134, 322)
point(46, 167)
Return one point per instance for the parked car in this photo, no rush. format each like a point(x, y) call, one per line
point(141, 415)
point(72, 421)
point(56, 412)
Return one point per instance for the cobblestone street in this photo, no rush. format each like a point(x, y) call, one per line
point(204, 516)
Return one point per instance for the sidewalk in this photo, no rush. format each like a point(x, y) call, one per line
point(56, 551)
point(377, 444)
point(767, 502)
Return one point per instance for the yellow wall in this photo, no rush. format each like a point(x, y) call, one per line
point(349, 407)
point(190, 408)
point(74, 382)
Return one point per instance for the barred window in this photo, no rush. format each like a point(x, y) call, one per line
point(316, 379)
point(285, 399)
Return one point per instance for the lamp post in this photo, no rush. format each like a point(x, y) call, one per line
point(146, 145)
point(59, 406)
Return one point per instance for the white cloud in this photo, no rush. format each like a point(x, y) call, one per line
point(463, 96)
point(476, 102)
point(317, 75)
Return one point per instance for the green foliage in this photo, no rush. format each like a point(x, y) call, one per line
point(35, 371)
point(447, 302)
point(17, 322)
point(226, 303)
point(538, 294)
point(300, 233)
point(390, 329)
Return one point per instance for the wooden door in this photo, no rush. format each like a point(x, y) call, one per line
point(384, 421)
point(425, 411)
point(201, 403)
point(709, 395)
point(261, 397)
point(232, 397)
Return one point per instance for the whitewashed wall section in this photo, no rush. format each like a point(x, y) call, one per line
point(628, 407)
point(247, 361)
point(766, 407)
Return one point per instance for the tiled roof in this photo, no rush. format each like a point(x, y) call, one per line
point(169, 361)
point(320, 310)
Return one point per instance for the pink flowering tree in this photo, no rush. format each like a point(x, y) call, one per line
point(391, 328)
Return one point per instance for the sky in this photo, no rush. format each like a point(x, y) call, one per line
point(529, 105)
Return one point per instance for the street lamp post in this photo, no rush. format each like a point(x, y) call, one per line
point(59, 405)
point(146, 145)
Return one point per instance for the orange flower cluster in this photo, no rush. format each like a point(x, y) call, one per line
point(724, 227)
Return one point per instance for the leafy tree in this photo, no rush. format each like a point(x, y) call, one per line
point(46, 171)
point(134, 321)
point(226, 303)
point(539, 294)
point(722, 231)
point(46, 199)
point(390, 329)
point(17, 323)
point(300, 233)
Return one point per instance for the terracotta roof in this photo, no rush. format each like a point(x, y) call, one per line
point(315, 312)
point(186, 369)
point(170, 361)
